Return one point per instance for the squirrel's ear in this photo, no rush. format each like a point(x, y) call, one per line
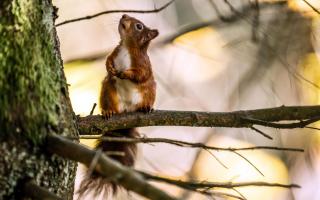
point(152, 34)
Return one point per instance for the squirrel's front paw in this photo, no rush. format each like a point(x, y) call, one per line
point(120, 75)
point(113, 71)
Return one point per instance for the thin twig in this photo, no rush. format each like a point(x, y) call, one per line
point(211, 193)
point(248, 161)
point(191, 174)
point(232, 8)
point(93, 107)
point(210, 185)
point(192, 145)
point(115, 11)
point(94, 162)
point(239, 193)
point(312, 7)
point(260, 132)
point(217, 159)
point(314, 128)
point(220, 16)
point(234, 17)
point(301, 124)
point(183, 143)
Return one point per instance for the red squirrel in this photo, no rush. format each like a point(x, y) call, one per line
point(129, 86)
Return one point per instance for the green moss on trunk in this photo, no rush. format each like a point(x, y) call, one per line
point(30, 76)
point(34, 98)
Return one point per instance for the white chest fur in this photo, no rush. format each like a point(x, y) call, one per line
point(128, 95)
point(122, 60)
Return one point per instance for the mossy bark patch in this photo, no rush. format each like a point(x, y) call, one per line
point(29, 70)
point(34, 99)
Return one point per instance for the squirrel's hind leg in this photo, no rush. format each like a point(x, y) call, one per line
point(108, 98)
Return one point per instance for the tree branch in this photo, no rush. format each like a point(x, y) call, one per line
point(34, 191)
point(210, 185)
point(301, 124)
point(96, 124)
point(185, 144)
point(137, 180)
point(190, 145)
point(311, 6)
point(115, 11)
point(261, 133)
point(93, 107)
point(106, 167)
point(233, 17)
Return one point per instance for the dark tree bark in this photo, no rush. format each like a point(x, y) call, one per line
point(34, 100)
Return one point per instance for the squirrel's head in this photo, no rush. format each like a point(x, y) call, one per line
point(134, 32)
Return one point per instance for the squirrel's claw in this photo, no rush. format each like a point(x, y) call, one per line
point(107, 114)
point(146, 109)
point(113, 71)
point(120, 75)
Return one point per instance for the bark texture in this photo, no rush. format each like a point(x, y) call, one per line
point(34, 99)
point(95, 124)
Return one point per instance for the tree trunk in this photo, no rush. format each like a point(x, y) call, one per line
point(34, 100)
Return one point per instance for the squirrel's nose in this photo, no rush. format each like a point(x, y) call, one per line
point(125, 16)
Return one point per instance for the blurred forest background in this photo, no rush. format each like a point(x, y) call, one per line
point(236, 54)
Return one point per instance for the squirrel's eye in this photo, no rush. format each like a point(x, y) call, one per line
point(139, 26)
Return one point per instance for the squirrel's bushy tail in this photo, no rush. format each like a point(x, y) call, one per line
point(98, 184)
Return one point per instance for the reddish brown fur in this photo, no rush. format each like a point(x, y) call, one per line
point(139, 73)
point(108, 97)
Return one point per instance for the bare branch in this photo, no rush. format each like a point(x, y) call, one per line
point(93, 107)
point(314, 128)
point(116, 11)
point(191, 145)
point(137, 180)
point(311, 6)
point(220, 16)
point(34, 191)
point(191, 174)
point(210, 185)
point(261, 133)
point(250, 163)
point(216, 158)
point(191, 27)
point(234, 17)
point(211, 193)
point(95, 124)
point(185, 144)
point(94, 162)
point(231, 8)
point(240, 194)
point(106, 167)
point(301, 124)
